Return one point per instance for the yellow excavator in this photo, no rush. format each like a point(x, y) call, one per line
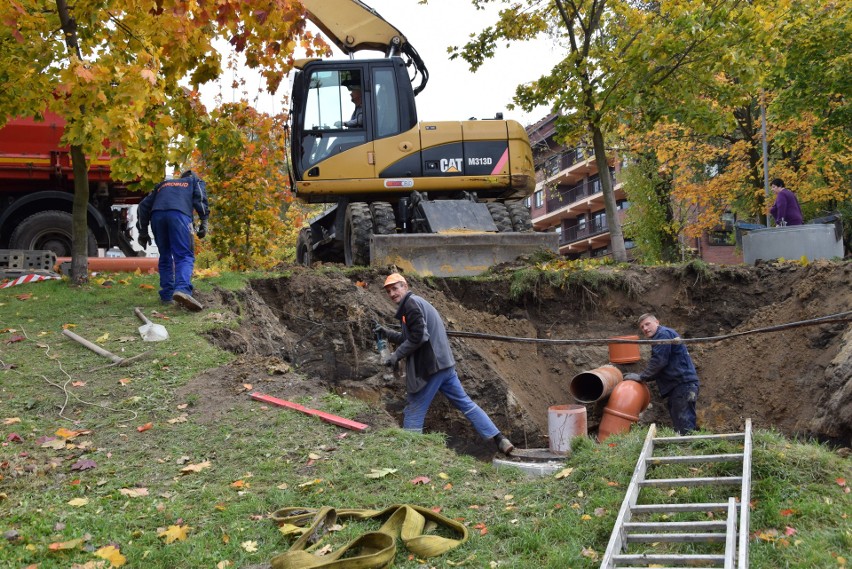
point(438, 198)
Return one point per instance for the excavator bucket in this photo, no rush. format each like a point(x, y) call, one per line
point(456, 254)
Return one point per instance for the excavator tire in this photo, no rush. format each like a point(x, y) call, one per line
point(500, 215)
point(357, 229)
point(304, 247)
point(384, 220)
point(520, 217)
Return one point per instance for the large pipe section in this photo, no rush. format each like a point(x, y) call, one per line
point(113, 264)
point(589, 386)
point(627, 401)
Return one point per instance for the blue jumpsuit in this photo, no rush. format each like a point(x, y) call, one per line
point(168, 209)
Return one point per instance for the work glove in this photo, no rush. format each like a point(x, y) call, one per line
point(390, 361)
point(633, 377)
point(202, 229)
point(144, 239)
point(380, 330)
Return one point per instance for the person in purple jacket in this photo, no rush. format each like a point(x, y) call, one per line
point(785, 210)
point(672, 368)
point(168, 209)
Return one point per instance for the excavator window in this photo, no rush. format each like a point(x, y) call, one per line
point(387, 103)
point(334, 118)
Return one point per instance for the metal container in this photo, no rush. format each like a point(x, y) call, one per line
point(792, 243)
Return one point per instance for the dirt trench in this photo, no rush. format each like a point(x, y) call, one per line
point(309, 332)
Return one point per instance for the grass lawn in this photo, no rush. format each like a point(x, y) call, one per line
point(110, 466)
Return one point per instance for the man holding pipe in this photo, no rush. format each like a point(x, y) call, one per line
point(672, 368)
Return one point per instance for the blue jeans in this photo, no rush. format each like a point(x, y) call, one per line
point(681, 403)
point(173, 236)
point(447, 382)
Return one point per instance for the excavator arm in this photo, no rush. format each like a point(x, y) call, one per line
point(353, 26)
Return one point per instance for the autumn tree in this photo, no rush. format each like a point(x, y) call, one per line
point(618, 54)
point(242, 154)
point(125, 70)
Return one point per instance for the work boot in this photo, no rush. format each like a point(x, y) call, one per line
point(505, 446)
point(188, 302)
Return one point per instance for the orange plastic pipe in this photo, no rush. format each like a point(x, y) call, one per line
point(115, 264)
point(628, 399)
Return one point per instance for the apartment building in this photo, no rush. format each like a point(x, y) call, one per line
point(568, 199)
point(568, 196)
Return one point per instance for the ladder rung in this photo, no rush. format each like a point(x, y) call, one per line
point(691, 438)
point(663, 558)
point(695, 458)
point(692, 481)
point(675, 526)
point(675, 537)
point(677, 508)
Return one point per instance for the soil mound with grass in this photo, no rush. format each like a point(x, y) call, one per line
point(309, 332)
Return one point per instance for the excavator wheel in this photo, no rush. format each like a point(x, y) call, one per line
point(384, 220)
point(357, 228)
point(520, 217)
point(304, 247)
point(500, 215)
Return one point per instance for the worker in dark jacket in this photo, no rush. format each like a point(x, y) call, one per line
point(168, 209)
point(672, 368)
point(430, 366)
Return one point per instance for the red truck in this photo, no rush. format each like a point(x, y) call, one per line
point(37, 192)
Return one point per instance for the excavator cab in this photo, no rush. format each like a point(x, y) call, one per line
point(341, 105)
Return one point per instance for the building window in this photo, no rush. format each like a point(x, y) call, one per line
point(720, 238)
point(622, 205)
point(539, 198)
point(528, 202)
point(551, 167)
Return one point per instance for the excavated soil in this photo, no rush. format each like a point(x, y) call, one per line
point(309, 332)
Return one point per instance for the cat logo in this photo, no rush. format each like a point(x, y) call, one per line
point(451, 165)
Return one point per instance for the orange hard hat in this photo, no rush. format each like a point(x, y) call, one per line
point(394, 278)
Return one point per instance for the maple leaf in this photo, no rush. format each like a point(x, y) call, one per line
point(66, 433)
point(84, 464)
point(134, 492)
point(14, 339)
point(420, 480)
point(250, 546)
point(14, 438)
point(111, 554)
point(174, 533)
point(195, 467)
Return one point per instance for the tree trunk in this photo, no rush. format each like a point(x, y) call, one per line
point(619, 253)
point(79, 219)
point(79, 222)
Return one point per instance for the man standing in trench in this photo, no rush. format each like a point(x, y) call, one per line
point(672, 368)
point(430, 366)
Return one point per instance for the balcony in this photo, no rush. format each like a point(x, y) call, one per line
point(572, 201)
point(569, 167)
point(579, 239)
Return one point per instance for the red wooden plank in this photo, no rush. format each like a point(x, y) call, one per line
point(327, 417)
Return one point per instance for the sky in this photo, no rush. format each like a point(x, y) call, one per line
point(453, 91)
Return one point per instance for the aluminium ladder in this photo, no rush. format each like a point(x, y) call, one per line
point(682, 536)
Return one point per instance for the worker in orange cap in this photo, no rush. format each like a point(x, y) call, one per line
point(430, 366)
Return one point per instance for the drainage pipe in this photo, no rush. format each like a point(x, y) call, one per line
point(589, 386)
point(627, 401)
point(112, 264)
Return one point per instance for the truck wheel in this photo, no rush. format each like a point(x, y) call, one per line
point(304, 247)
point(500, 215)
point(357, 228)
point(51, 231)
point(520, 217)
point(384, 220)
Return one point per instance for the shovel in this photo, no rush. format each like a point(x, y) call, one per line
point(151, 332)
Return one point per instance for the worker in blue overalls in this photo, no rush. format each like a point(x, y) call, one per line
point(168, 209)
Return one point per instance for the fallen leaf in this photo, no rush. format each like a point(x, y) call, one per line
point(840, 481)
point(563, 473)
point(482, 529)
point(290, 529)
point(111, 554)
point(788, 531)
point(787, 512)
point(195, 467)
point(102, 339)
point(585, 517)
point(134, 492)
point(174, 533)
point(178, 419)
point(310, 483)
point(78, 502)
point(589, 552)
point(11, 420)
point(145, 427)
point(15, 438)
point(420, 480)
point(239, 484)
point(124, 380)
point(250, 546)
point(380, 472)
point(67, 326)
point(54, 443)
point(84, 464)
point(145, 286)
point(78, 383)
point(443, 475)
point(183, 406)
point(66, 433)
point(223, 564)
point(24, 296)
point(611, 483)
point(247, 386)
point(65, 545)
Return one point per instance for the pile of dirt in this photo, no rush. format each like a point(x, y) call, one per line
point(309, 332)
